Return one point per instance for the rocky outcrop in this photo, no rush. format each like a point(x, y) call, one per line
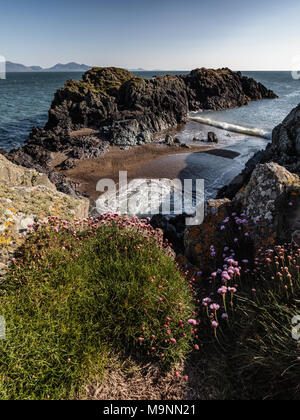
point(222, 89)
point(111, 106)
point(270, 204)
point(285, 146)
point(284, 150)
point(212, 137)
point(199, 239)
point(108, 95)
point(12, 176)
point(230, 190)
point(27, 196)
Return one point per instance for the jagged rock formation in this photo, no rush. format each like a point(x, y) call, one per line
point(27, 196)
point(198, 239)
point(125, 110)
point(270, 203)
point(222, 89)
point(284, 150)
point(122, 104)
point(285, 146)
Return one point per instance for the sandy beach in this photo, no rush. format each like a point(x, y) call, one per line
point(217, 164)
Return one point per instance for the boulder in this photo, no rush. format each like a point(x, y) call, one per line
point(271, 203)
point(13, 175)
point(169, 141)
point(212, 137)
point(27, 197)
point(285, 146)
point(283, 150)
point(126, 133)
point(198, 239)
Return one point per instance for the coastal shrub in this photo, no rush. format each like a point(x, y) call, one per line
point(267, 354)
point(248, 305)
point(75, 294)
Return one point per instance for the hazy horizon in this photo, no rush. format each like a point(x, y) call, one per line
point(154, 35)
point(142, 68)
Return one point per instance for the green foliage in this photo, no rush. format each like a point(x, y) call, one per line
point(254, 347)
point(74, 296)
point(266, 356)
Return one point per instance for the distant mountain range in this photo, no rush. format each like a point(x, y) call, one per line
point(19, 68)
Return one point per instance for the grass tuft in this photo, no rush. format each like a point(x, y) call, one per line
point(75, 295)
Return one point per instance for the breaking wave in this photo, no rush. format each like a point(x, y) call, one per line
point(256, 132)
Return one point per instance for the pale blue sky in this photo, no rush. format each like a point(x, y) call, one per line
point(164, 34)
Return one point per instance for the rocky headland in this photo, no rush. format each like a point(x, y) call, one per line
point(112, 107)
point(267, 193)
point(260, 209)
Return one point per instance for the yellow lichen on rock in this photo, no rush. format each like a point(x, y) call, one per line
point(27, 197)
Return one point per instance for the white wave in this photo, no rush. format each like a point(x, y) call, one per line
point(146, 197)
point(296, 93)
point(256, 132)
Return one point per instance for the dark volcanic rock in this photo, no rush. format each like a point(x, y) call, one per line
point(127, 111)
point(222, 89)
point(173, 229)
point(110, 95)
point(169, 141)
point(285, 147)
point(126, 133)
point(212, 137)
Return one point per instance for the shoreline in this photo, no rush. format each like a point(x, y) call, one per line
point(136, 161)
point(216, 163)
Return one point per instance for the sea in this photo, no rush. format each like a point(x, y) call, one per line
point(25, 99)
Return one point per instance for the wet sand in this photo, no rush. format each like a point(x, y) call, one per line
point(217, 164)
point(135, 161)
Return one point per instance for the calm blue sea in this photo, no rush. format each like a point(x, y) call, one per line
point(26, 98)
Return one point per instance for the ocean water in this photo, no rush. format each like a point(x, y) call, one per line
point(259, 117)
point(25, 99)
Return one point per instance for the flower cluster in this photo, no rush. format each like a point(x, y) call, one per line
point(137, 268)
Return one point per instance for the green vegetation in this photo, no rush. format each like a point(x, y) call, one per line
point(247, 319)
point(266, 358)
point(74, 296)
point(105, 80)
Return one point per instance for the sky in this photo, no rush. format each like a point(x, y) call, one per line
point(152, 34)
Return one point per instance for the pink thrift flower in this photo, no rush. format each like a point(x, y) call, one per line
point(214, 324)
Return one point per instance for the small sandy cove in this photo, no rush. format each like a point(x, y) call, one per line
point(151, 161)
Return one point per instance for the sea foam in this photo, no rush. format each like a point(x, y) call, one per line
point(256, 132)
